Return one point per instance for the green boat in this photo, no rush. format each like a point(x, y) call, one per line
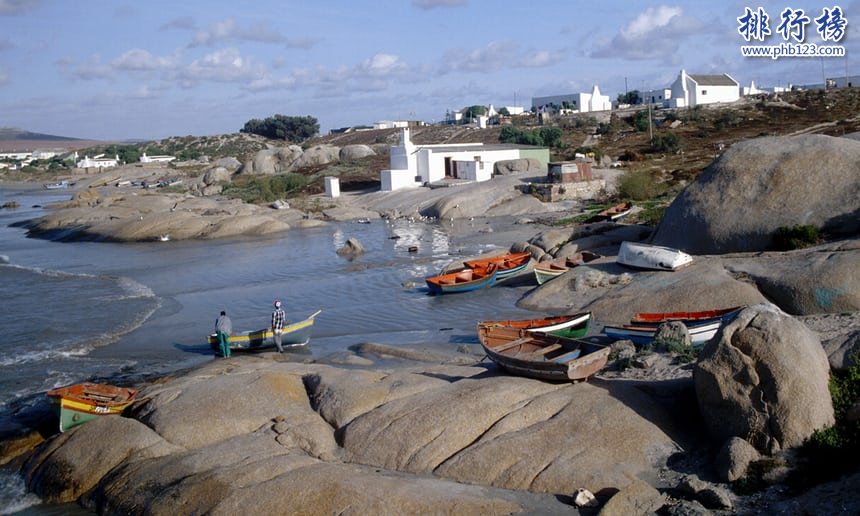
point(82, 402)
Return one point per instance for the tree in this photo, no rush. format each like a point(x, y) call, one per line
point(631, 97)
point(291, 128)
point(541, 137)
point(474, 111)
point(504, 112)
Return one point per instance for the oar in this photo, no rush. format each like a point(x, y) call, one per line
point(314, 314)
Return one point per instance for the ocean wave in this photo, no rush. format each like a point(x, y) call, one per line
point(13, 493)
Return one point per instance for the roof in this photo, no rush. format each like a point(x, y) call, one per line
point(713, 80)
point(477, 147)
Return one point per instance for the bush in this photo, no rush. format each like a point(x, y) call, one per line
point(265, 188)
point(667, 142)
point(641, 120)
point(795, 237)
point(280, 127)
point(639, 186)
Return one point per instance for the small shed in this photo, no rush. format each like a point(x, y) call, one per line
point(570, 171)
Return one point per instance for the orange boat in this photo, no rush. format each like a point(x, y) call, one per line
point(82, 402)
point(463, 280)
point(661, 317)
point(509, 264)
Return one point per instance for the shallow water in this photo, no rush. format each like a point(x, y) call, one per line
point(82, 310)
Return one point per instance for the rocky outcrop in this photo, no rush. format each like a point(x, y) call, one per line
point(319, 155)
point(734, 458)
point(760, 185)
point(351, 249)
point(216, 175)
point(512, 166)
point(352, 152)
point(764, 378)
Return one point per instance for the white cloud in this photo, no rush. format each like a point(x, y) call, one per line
point(432, 4)
point(498, 55)
point(93, 69)
point(541, 58)
point(15, 7)
point(226, 65)
point(228, 30)
point(656, 33)
point(4, 77)
point(183, 23)
point(138, 59)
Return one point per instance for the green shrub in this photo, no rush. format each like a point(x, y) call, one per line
point(639, 186)
point(795, 237)
point(641, 120)
point(266, 188)
point(651, 215)
point(836, 450)
point(666, 142)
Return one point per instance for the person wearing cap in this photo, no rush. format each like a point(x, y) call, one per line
point(223, 328)
point(279, 319)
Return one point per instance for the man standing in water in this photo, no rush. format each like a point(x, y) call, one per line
point(223, 328)
point(278, 321)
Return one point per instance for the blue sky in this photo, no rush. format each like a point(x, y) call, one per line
point(117, 70)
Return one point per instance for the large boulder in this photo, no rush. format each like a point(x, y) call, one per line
point(216, 175)
point(72, 463)
point(516, 433)
point(512, 166)
point(764, 378)
point(318, 155)
point(760, 185)
point(230, 163)
point(351, 152)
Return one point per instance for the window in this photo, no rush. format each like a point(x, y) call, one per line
point(704, 92)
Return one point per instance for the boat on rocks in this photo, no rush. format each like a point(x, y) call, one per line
point(540, 355)
point(616, 212)
point(652, 257)
point(58, 186)
point(509, 264)
point(76, 404)
point(643, 334)
point(657, 318)
point(463, 280)
point(294, 334)
point(546, 271)
point(572, 326)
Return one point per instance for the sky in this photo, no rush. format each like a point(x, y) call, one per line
point(117, 70)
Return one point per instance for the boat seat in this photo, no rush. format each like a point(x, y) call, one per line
point(544, 351)
point(567, 357)
point(511, 344)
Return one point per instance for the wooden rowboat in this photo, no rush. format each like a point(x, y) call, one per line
point(463, 280)
point(571, 326)
point(82, 402)
point(546, 271)
point(654, 257)
point(542, 356)
point(294, 334)
point(643, 334)
point(509, 264)
point(613, 213)
point(643, 318)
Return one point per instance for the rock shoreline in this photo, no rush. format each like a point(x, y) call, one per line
point(262, 434)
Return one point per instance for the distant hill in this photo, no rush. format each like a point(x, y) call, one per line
point(12, 133)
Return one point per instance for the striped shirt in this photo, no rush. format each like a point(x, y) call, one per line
point(278, 319)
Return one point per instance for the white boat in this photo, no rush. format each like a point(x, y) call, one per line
point(57, 186)
point(655, 257)
point(700, 332)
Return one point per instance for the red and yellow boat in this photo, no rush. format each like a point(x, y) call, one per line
point(82, 402)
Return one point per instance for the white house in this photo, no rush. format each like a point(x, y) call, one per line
point(415, 165)
point(97, 162)
point(659, 96)
point(390, 124)
point(691, 90)
point(156, 159)
point(15, 156)
point(581, 102)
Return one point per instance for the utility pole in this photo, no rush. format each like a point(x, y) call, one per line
point(625, 88)
point(650, 131)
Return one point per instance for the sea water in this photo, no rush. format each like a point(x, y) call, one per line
point(75, 311)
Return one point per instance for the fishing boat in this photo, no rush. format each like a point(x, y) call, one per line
point(509, 264)
point(643, 334)
point(657, 318)
point(612, 213)
point(540, 355)
point(546, 271)
point(572, 326)
point(294, 334)
point(57, 186)
point(463, 280)
point(82, 402)
point(653, 257)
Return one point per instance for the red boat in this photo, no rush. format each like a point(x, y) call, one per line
point(703, 315)
point(509, 264)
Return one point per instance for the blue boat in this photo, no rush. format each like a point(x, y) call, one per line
point(463, 280)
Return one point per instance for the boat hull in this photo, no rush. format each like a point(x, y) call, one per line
point(546, 272)
point(294, 334)
point(509, 265)
point(465, 280)
point(572, 326)
point(642, 335)
point(542, 356)
point(77, 404)
point(652, 257)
